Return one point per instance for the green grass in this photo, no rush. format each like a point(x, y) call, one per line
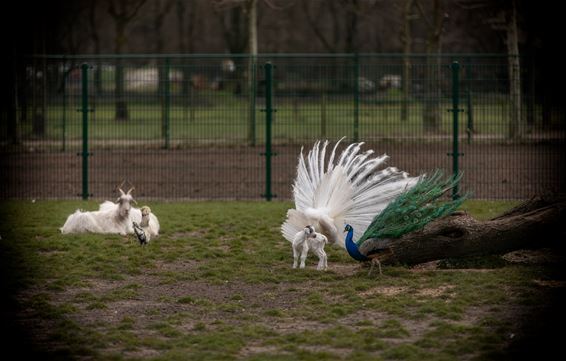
point(217, 284)
point(226, 118)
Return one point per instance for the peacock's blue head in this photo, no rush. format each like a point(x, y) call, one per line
point(348, 228)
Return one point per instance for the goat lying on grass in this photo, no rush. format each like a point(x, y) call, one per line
point(307, 239)
point(110, 218)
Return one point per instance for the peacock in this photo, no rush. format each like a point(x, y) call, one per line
point(354, 191)
point(409, 212)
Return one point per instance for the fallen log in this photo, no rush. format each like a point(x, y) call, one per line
point(536, 223)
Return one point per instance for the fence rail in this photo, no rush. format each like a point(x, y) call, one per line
point(188, 127)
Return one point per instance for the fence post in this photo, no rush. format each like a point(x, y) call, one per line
point(84, 110)
point(455, 117)
point(356, 96)
point(268, 119)
point(167, 105)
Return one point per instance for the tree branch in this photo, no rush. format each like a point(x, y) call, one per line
point(315, 28)
point(534, 224)
point(423, 14)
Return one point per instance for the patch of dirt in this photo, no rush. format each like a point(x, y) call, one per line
point(292, 325)
point(254, 349)
point(436, 292)
point(530, 256)
point(384, 290)
point(141, 353)
point(183, 235)
point(237, 172)
point(344, 269)
point(149, 304)
point(550, 283)
point(415, 327)
point(185, 265)
point(427, 266)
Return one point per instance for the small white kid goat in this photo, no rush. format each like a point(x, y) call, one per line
point(142, 229)
point(110, 218)
point(307, 239)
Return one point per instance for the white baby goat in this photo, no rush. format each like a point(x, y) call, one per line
point(142, 230)
point(307, 239)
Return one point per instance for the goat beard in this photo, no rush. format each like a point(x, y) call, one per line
point(124, 214)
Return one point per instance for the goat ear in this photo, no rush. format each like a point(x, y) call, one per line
point(118, 200)
point(133, 200)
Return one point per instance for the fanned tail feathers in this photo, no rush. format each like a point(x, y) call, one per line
point(349, 188)
point(415, 208)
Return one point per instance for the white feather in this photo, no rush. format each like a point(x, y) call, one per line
point(351, 190)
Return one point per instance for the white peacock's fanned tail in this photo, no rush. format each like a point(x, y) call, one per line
point(349, 188)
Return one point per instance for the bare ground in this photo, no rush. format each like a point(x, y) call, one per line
point(153, 304)
point(491, 171)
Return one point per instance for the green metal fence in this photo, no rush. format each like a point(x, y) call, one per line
point(192, 127)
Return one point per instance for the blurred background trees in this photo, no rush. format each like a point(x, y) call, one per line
point(283, 26)
point(427, 27)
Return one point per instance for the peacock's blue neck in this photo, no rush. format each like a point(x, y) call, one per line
point(352, 248)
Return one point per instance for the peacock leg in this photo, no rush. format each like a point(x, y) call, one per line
point(375, 261)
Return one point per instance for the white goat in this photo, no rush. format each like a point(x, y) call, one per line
point(307, 239)
point(110, 217)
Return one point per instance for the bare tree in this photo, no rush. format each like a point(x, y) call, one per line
point(95, 38)
point(185, 32)
point(514, 71)
point(122, 12)
point(434, 20)
point(233, 23)
point(406, 40)
point(502, 16)
point(342, 17)
point(252, 60)
point(243, 15)
point(160, 11)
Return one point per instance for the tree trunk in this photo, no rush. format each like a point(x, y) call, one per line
point(121, 106)
point(431, 109)
point(96, 44)
point(159, 13)
point(514, 74)
point(15, 94)
point(406, 40)
point(252, 39)
point(533, 224)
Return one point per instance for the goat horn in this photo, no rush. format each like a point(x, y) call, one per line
point(131, 189)
point(120, 187)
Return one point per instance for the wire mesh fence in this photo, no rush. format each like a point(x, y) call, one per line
point(193, 127)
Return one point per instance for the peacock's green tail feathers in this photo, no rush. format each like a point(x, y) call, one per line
point(415, 208)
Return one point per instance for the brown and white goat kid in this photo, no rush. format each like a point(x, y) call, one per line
point(307, 239)
point(110, 218)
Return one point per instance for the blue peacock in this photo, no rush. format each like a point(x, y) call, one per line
point(354, 191)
